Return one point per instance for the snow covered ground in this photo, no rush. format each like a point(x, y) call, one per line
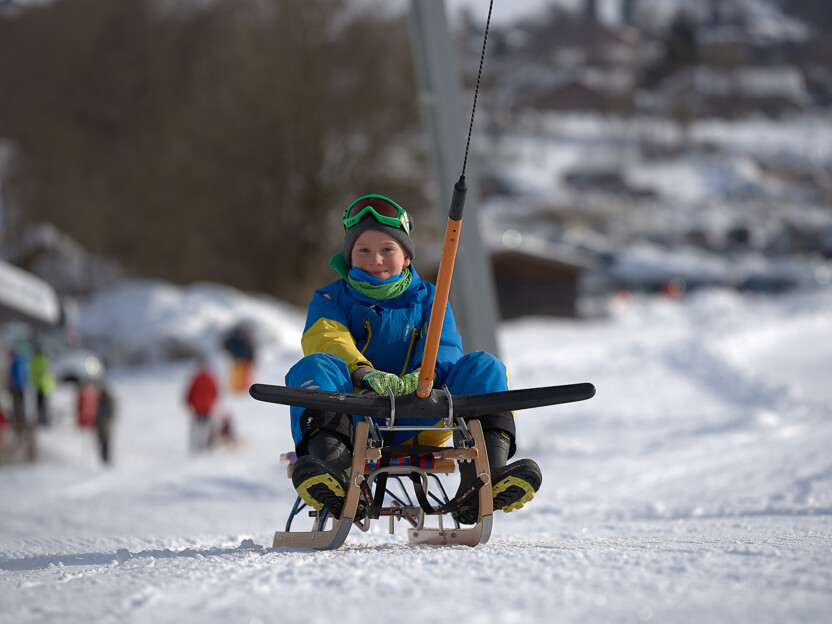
point(695, 487)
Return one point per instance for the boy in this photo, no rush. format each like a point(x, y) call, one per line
point(367, 330)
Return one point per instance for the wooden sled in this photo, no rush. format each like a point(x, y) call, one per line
point(457, 414)
point(368, 451)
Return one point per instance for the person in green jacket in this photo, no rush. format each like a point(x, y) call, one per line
point(40, 373)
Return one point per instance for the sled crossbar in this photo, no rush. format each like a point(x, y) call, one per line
point(435, 407)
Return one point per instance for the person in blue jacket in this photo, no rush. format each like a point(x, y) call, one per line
point(367, 330)
point(17, 383)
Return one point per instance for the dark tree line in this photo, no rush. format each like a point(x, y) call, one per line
point(207, 141)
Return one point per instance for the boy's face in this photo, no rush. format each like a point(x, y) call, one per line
point(378, 254)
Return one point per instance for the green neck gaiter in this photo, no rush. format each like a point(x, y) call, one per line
point(388, 290)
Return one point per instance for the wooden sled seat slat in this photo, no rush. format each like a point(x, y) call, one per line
point(440, 462)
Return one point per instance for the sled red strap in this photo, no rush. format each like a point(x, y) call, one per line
point(412, 457)
point(426, 462)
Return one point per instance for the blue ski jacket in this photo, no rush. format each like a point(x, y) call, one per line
point(18, 373)
point(345, 330)
point(386, 334)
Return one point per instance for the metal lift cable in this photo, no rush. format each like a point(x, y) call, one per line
point(477, 88)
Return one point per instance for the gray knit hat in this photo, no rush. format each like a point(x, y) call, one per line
point(368, 222)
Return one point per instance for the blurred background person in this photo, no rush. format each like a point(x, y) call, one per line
point(226, 434)
point(43, 382)
point(104, 416)
point(2, 429)
point(201, 396)
point(88, 394)
point(18, 379)
point(239, 344)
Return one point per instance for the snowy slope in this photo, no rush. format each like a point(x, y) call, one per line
point(695, 487)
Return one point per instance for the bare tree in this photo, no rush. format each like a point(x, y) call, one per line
point(208, 142)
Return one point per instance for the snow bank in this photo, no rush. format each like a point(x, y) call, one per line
point(149, 320)
point(696, 486)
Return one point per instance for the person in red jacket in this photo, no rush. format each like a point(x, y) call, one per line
point(202, 395)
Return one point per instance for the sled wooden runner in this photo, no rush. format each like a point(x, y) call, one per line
point(334, 537)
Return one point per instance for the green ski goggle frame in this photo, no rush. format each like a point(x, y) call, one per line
point(386, 212)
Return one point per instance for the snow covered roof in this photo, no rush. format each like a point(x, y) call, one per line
point(24, 296)
point(756, 82)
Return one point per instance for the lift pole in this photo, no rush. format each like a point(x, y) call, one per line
point(473, 297)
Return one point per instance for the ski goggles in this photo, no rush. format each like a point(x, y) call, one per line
point(385, 211)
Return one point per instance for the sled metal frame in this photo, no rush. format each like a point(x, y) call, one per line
point(368, 447)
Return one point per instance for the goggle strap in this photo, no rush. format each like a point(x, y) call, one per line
point(373, 196)
point(401, 220)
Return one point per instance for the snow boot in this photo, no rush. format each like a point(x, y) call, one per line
point(321, 477)
point(512, 485)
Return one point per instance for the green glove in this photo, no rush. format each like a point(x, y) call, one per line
point(410, 382)
point(379, 381)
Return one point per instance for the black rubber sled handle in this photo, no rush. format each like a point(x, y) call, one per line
point(435, 406)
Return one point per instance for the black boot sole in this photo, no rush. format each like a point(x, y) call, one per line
point(512, 487)
point(321, 489)
point(317, 486)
